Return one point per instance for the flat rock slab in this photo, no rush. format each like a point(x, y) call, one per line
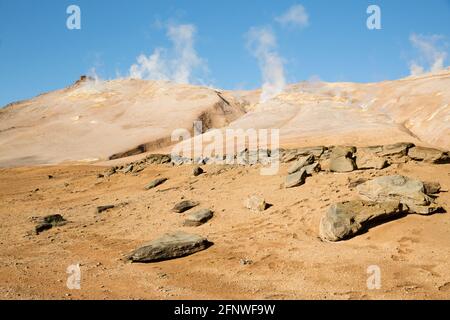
point(346, 219)
point(184, 206)
point(198, 218)
point(429, 155)
point(397, 149)
point(407, 191)
point(367, 160)
point(155, 183)
point(300, 163)
point(170, 246)
point(295, 179)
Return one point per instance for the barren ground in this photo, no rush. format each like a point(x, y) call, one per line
point(288, 259)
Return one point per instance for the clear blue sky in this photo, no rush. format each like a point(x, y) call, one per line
point(38, 53)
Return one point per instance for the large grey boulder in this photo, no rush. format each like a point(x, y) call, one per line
point(300, 163)
point(429, 155)
point(346, 219)
point(170, 246)
point(295, 179)
point(407, 191)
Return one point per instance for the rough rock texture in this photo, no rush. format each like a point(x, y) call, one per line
point(346, 219)
point(302, 162)
point(429, 155)
point(155, 183)
point(368, 160)
point(342, 164)
point(197, 171)
point(170, 246)
point(397, 149)
point(312, 169)
point(198, 218)
point(295, 179)
point(48, 222)
point(184, 206)
point(399, 188)
point(255, 203)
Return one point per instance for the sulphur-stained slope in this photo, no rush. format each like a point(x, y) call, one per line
point(414, 109)
point(96, 120)
point(105, 120)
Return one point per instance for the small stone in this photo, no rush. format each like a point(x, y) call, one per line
point(255, 203)
point(48, 222)
point(184, 206)
point(101, 209)
point(245, 262)
point(198, 218)
point(155, 183)
point(197, 171)
point(128, 169)
point(432, 187)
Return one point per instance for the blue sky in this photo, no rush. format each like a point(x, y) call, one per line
point(38, 53)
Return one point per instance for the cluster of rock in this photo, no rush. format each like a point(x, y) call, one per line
point(333, 158)
point(383, 198)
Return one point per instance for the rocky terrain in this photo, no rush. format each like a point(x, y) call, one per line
point(87, 180)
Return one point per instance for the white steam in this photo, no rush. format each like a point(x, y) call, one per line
point(431, 54)
point(295, 16)
point(176, 64)
point(261, 41)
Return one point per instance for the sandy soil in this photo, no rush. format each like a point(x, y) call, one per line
point(288, 259)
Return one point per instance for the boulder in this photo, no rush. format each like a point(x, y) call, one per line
point(198, 218)
point(295, 179)
point(429, 155)
point(342, 164)
point(300, 163)
point(346, 219)
point(170, 246)
point(155, 183)
point(407, 191)
point(255, 203)
point(184, 206)
point(158, 159)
